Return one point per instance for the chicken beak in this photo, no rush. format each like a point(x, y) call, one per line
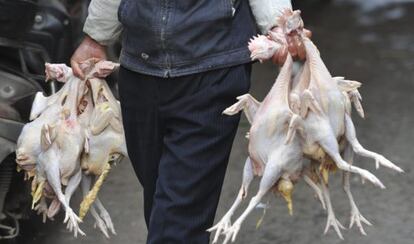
point(285, 187)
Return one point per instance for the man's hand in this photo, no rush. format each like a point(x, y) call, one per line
point(88, 48)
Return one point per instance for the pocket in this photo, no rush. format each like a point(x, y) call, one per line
point(233, 81)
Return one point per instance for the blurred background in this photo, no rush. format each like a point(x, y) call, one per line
point(368, 41)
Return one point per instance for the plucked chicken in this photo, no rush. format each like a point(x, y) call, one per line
point(67, 142)
point(302, 129)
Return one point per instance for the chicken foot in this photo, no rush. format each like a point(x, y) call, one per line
point(332, 221)
point(86, 184)
point(356, 216)
point(73, 184)
point(105, 215)
point(53, 176)
point(271, 175)
point(103, 220)
point(225, 223)
point(350, 135)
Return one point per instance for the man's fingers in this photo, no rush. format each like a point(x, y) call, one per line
point(88, 53)
point(77, 71)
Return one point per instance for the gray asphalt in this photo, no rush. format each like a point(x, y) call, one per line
point(368, 41)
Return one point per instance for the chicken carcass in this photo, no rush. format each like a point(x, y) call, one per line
point(50, 147)
point(45, 110)
point(300, 129)
point(277, 162)
point(105, 141)
point(59, 160)
point(102, 144)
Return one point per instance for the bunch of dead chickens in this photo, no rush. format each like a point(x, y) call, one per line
point(302, 129)
point(74, 137)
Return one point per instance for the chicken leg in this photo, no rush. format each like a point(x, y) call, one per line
point(86, 184)
point(105, 215)
point(316, 189)
point(50, 161)
point(350, 135)
point(356, 216)
point(330, 146)
point(271, 175)
point(332, 221)
point(225, 223)
point(102, 221)
point(73, 184)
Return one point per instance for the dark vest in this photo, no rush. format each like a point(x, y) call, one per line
point(169, 38)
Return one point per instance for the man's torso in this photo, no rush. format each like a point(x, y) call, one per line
point(174, 38)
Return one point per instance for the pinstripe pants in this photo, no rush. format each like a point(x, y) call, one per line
point(179, 144)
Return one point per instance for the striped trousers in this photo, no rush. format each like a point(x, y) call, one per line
point(179, 144)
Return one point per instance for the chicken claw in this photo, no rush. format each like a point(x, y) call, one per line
point(105, 216)
point(231, 233)
point(74, 222)
point(360, 150)
point(358, 219)
point(332, 221)
point(99, 223)
point(221, 227)
point(225, 223)
point(305, 118)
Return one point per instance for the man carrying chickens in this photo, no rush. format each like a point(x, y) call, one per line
point(182, 64)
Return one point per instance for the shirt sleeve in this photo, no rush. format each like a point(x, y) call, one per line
point(102, 23)
point(266, 12)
